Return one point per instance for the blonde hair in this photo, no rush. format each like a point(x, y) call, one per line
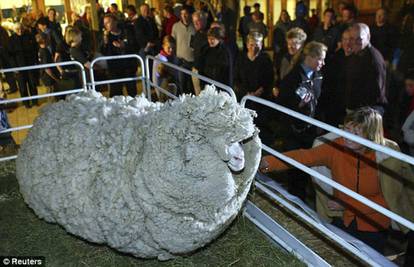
point(312, 49)
point(298, 34)
point(370, 122)
point(73, 37)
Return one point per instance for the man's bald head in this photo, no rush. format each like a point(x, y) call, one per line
point(361, 36)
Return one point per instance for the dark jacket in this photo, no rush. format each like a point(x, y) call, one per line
point(216, 64)
point(279, 36)
point(385, 39)
point(332, 99)
point(23, 50)
point(146, 31)
point(110, 50)
point(251, 75)
point(5, 59)
point(365, 79)
point(329, 37)
point(199, 44)
point(55, 26)
point(291, 88)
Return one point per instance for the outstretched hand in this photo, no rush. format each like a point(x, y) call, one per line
point(264, 166)
point(333, 205)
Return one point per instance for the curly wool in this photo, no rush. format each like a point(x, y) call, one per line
point(145, 178)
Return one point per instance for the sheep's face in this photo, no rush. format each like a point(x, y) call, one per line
point(220, 120)
point(236, 162)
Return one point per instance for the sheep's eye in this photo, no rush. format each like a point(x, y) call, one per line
point(246, 140)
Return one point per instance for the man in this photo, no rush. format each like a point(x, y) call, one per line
point(365, 78)
point(257, 25)
point(243, 25)
point(113, 9)
point(332, 100)
point(23, 51)
point(182, 32)
point(130, 28)
point(115, 42)
point(256, 7)
point(199, 44)
point(384, 36)
point(348, 13)
point(146, 32)
point(327, 33)
point(55, 39)
point(301, 12)
point(53, 23)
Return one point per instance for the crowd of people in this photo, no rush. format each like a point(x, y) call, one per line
point(332, 68)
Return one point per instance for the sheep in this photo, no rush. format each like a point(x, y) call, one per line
point(150, 179)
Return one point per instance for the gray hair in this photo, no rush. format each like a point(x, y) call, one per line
point(362, 28)
point(298, 34)
point(255, 36)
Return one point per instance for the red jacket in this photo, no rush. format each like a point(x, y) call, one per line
point(168, 24)
point(356, 172)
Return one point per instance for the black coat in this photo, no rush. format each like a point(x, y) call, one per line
point(23, 50)
point(329, 37)
point(251, 75)
point(290, 90)
point(385, 39)
point(110, 50)
point(199, 44)
point(332, 99)
point(5, 59)
point(146, 31)
point(216, 64)
point(365, 79)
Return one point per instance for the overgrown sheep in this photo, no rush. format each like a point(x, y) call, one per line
point(150, 179)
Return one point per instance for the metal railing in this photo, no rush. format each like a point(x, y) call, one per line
point(127, 79)
point(220, 85)
point(327, 180)
point(147, 83)
point(19, 99)
point(45, 66)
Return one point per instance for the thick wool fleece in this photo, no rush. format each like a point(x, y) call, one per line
point(145, 178)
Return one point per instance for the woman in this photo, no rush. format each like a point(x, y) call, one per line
point(216, 61)
point(282, 26)
point(295, 39)
point(300, 91)
point(73, 38)
point(378, 177)
point(254, 76)
point(162, 75)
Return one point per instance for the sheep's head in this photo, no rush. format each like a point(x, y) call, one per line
point(218, 118)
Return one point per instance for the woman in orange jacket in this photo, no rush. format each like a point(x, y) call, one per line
point(355, 167)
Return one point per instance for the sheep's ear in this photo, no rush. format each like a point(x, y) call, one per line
point(221, 148)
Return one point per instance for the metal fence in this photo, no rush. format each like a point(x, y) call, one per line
point(127, 79)
point(324, 179)
point(222, 86)
point(148, 84)
point(20, 99)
